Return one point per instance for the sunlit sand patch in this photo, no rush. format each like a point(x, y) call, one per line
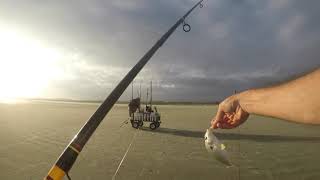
point(11, 101)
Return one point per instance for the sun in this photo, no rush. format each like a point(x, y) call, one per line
point(26, 66)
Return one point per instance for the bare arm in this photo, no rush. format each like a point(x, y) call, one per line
point(297, 100)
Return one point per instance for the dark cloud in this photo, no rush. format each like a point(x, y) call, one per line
point(233, 45)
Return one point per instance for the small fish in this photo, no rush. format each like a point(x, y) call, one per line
point(214, 146)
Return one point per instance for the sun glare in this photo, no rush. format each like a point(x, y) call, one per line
point(26, 66)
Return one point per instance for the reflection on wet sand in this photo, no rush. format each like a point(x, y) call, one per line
point(236, 136)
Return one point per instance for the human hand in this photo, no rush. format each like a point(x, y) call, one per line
point(230, 114)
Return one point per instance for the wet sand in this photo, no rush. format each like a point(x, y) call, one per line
point(32, 136)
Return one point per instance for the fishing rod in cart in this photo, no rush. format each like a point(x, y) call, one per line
point(68, 157)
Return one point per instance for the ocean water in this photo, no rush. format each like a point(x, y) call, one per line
point(33, 135)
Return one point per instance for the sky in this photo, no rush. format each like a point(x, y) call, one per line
point(82, 49)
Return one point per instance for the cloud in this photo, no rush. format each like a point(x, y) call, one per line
point(232, 45)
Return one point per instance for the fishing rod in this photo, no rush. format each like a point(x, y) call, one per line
point(66, 160)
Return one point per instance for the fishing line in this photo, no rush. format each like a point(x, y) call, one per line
point(69, 178)
point(124, 122)
point(125, 154)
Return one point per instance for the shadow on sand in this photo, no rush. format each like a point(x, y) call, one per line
point(235, 136)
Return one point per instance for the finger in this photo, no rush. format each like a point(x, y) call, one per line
point(225, 126)
point(231, 115)
point(225, 118)
point(236, 121)
point(219, 117)
point(214, 124)
point(239, 118)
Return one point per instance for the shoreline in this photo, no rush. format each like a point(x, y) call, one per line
point(119, 102)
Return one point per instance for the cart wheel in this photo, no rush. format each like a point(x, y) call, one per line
point(140, 123)
point(157, 124)
point(153, 126)
point(135, 125)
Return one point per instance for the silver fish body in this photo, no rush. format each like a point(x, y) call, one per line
point(218, 149)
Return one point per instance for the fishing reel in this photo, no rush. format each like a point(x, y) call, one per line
point(186, 27)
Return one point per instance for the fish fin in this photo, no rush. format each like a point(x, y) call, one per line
point(223, 147)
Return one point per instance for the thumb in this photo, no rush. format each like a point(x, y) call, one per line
point(218, 118)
